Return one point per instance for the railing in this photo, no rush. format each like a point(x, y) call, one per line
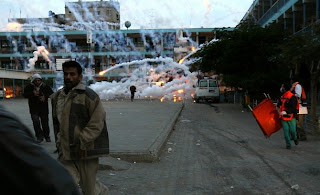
point(138, 46)
point(273, 10)
point(308, 28)
point(11, 67)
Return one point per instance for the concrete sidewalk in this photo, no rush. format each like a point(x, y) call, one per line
point(137, 130)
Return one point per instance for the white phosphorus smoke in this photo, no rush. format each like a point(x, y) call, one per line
point(158, 78)
point(45, 54)
point(155, 77)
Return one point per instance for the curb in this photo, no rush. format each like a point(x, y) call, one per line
point(153, 152)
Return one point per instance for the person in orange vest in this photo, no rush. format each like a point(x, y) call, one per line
point(288, 110)
point(299, 92)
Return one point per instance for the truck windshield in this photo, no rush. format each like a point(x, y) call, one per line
point(203, 84)
point(212, 83)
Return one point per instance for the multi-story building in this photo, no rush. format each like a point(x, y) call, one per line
point(96, 50)
point(88, 32)
point(295, 15)
point(80, 15)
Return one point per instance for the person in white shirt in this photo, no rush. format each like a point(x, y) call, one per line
point(296, 89)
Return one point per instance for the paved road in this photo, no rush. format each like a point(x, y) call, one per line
point(213, 149)
point(220, 149)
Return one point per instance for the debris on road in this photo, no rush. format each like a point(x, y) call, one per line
point(295, 187)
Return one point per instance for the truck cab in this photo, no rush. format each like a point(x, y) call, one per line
point(207, 89)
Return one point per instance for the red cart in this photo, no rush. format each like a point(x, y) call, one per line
point(267, 117)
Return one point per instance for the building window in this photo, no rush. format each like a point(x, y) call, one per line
point(202, 39)
point(4, 44)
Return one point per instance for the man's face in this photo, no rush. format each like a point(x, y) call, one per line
point(71, 77)
point(37, 82)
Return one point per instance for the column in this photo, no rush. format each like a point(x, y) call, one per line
point(161, 44)
point(284, 22)
point(197, 38)
point(304, 14)
point(263, 12)
point(13, 88)
point(317, 9)
point(3, 86)
point(293, 21)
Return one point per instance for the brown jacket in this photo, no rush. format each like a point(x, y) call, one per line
point(82, 133)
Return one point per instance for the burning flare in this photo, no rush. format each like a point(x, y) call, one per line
point(160, 83)
point(14, 27)
point(101, 73)
point(180, 91)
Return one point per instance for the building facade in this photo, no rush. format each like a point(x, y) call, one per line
point(80, 15)
point(295, 15)
point(95, 50)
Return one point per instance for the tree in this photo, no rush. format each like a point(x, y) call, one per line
point(301, 52)
point(248, 58)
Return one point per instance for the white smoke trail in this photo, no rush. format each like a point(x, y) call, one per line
point(167, 80)
point(32, 61)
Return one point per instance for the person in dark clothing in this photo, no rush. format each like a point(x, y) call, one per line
point(288, 113)
point(25, 167)
point(38, 93)
point(132, 90)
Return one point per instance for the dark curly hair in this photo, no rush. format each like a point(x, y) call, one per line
point(72, 64)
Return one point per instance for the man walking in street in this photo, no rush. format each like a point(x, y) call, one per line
point(79, 122)
point(288, 111)
point(299, 92)
point(132, 90)
point(38, 93)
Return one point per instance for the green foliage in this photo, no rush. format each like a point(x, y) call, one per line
point(303, 49)
point(248, 58)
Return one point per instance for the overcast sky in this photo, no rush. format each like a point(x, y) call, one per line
point(144, 13)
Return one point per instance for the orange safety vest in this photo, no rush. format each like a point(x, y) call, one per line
point(285, 98)
point(303, 94)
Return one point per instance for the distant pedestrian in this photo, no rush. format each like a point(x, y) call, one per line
point(225, 95)
point(132, 90)
point(299, 92)
point(79, 122)
point(288, 112)
point(38, 93)
point(25, 167)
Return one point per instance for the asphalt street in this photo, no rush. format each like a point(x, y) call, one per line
point(196, 149)
point(220, 149)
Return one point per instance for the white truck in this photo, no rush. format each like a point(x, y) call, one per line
point(2, 93)
point(207, 89)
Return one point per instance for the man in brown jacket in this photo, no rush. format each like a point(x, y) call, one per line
point(80, 129)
